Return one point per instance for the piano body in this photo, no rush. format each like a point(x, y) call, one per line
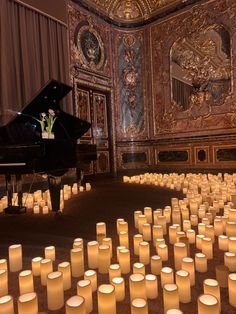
point(24, 151)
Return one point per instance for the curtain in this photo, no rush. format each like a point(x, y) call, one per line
point(33, 50)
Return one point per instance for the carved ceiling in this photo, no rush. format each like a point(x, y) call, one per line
point(123, 12)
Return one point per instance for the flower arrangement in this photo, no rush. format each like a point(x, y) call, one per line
point(46, 122)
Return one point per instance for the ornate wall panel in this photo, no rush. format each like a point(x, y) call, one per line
point(89, 42)
point(130, 85)
point(134, 157)
point(202, 118)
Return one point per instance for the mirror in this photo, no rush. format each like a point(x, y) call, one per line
point(201, 68)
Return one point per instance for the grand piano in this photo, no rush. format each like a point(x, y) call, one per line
point(24, 151)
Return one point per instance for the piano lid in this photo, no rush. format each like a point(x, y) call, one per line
point(46, 98)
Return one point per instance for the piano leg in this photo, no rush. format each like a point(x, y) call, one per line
point(55, 191)
point(14, 209)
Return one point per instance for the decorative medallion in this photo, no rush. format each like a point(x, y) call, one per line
point(89, 46)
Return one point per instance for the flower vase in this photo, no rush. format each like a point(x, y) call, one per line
point(51, 136)
point(45, 134)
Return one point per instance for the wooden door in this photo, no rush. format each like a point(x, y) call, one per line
point(92, 105)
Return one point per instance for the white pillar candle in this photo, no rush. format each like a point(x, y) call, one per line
point(45, 210)
point(191, 235)
point(114, 271)
point(36, 209)
point(172, 234)
point(28, 303)
point(92, 276)
point(230, 261)
point(50, 252)
point(199, 238)
point(75, 305)
point(232, 244)
point(142, 219)
point(156, 265)
point(211, 286)
point(92, 251)
point(3, 264)
point(137, 286)
point(118, 226)
point(77, 262)
point(162, 251)
point(148, 214)
point(200, 262)
point(161, 220)
point(84, 289)
point(223, 242)
point(108, 241)
point(119, 285)
point(170, 297)
point(218, 227)
point(3, 282)
point(188, 265)
point(35, 264)
point(26, 282)
point(222, 273)
point(104, 258)
point(208, 304)
point(232, 289)
point(194, 220)
point(45, 269)
point(6, 305)
point(106, 299)
point(136, 215)
point(157, 233)
point(65, 269)
point(156, 214)
point(101, 228)
point(151, 286)
point(180, 251)
point(124, 261)
point(144, 253)
point(139, 268)
point(118, 248)
point(183, 283)
point(186, 225)
point(15, 257)
point(201, 228)
point(167, 276)
point(122, 226)
point(124, 239)
point(176, 217)
point(174, 311)
point(147, 232)
point(207, 248)
point(137, 238)
point(55, 291)
point(139, 306)
point(78, 243)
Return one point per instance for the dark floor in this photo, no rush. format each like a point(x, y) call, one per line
point(108, 200)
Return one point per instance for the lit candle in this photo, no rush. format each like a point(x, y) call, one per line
point(161, 220)
point(180, 251)
point(45, 210)
point(162, 251)
point(139, 306)
point(124, 261)
point(3, 264)
point(77, 262)
point(232, 289)
point(170, 296)
point(199, 238)
point(144, 252)
point(147, 232)
point(55, 291)
point(211, 286)
point(15, 257)
point(167, 276)
point(119, 285)
point(49, 252)
point(104, 258)
point(36, 209)
point(156, 265)
point(188, 265)
point(106, 299)
point(35, 264)
point(136, 215)
point(28, 303)
point(45, 269)
point(84, 289)
point(65, 269)
point(157, 233)
point(223, 242)
point(137, 239)
point(6, 305)
point(148, 214)
point(208, 304)
point(92, 251)
point(3, 283)
point(75, 305)
point(101, 228)
point(108, 241)
point(207, 248)
point(183, 283)
point(151, 286)
point(222, 273)
point(232, 244)
point(114, 271)
point(172, 234)
point(118, 248)
point(191, 235)
point(142, 219)
point(139, 268)
point(230, 261)
point(200, 262)
point(26, 283)
point(174, 311)
point(122, 225)
point(218, 227)
point(124, 239)
point(137, 286)
point(92, 276)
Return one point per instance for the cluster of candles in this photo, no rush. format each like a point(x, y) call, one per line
point(40, 202)
point(192, 221)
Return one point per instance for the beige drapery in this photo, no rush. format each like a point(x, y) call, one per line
point(33, 49)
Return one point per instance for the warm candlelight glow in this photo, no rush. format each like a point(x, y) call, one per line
point(170, 297)
point(232, 289)
point(92, 276)
point(55, 291)
point(151, 286)
point(167, 276)
point(3, 282)
point(15, 257)
point(45, 269)
point(75, 305)
point(106, 299)
point(208, 304)
point(183, 283)
point(137, 286)
point(92, 250)
point(65, 269)
point(139, 268)
point(50, 252)
point(119, 285)
point(26, 283)
point(144, 252)
point(28, 303)
point(104, 258)
point(6, 305)
point(77, 262)
point(84, 289)
point(139, 306)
